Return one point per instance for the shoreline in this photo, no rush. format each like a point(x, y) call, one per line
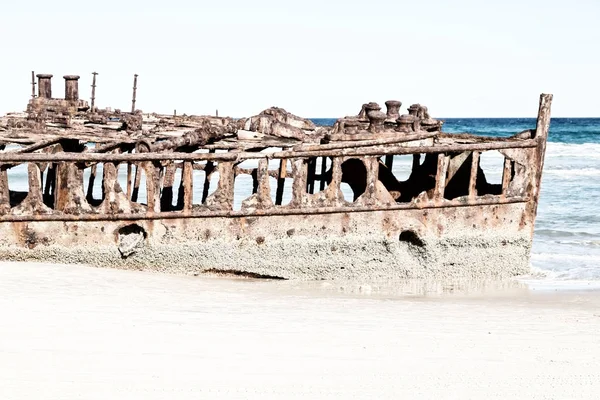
point(516, 286)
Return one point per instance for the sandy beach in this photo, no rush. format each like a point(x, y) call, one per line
point(71, 332)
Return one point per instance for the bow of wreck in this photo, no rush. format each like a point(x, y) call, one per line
point(262, 196)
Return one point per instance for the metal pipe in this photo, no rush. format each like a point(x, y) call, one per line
point(71, 87)
point(93, 106)
point(134, 92)
point(44, 86)
point(32, 84)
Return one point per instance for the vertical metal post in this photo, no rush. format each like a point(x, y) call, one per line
point(32, 84)
point(299, 182)
point(94, 91)
point(541, 135)
point(129, 179)
point(506, 175)
point(372, 165)
point(217, 112)
point(440, 177)
point(134, 90)
point(4, 193)
point(153, 178)
point(473, 177)
point(187, 185)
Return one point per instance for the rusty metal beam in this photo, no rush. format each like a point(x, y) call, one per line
point(129, 180)
point(506, 174)
point(440, 177)
point(93, 103)
point(238, 157)
point(398, 138)
point(187, 184)
point(543, 119)
point(373, 151)
point(529, 133)
point(4, 191)
point(37, 146)
point(473, 177)
point(541, 136)
point(134, 93)
point(154, 178)
point(32, 84)
point(261, 212)
point(111, 146)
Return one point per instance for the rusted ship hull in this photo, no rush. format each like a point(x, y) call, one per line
point(428, 243)
point(445, 220)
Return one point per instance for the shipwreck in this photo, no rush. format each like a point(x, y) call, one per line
point(137, 190)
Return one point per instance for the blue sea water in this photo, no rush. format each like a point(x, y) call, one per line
point(567, 232)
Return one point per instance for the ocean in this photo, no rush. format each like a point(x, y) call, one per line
point(567, 232)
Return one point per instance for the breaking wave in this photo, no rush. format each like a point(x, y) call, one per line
point(565, 173)
point(565, 266)
point(574, 150)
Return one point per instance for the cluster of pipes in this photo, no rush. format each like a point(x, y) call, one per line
point(373, 120)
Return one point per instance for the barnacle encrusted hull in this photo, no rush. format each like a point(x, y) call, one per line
point(263, 196)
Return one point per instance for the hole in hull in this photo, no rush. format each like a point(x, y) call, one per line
point(412, 238)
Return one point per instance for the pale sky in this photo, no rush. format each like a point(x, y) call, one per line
point(461, 58)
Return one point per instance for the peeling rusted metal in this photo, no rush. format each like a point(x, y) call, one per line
point(473, 177)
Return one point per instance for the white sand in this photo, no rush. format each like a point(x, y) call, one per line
point(83, 333)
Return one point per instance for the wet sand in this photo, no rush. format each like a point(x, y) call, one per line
point(70, 332)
